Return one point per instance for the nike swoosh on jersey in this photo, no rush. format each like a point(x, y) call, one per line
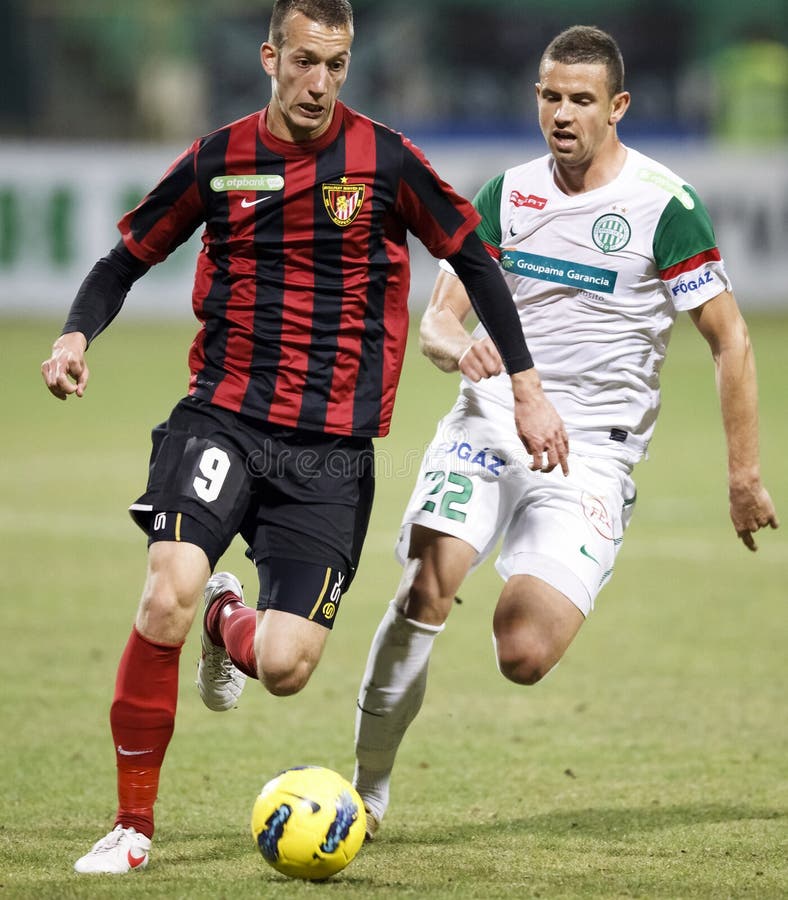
point(247, 203)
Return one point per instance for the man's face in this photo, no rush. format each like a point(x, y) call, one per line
point(306, 73)
point(577, 115)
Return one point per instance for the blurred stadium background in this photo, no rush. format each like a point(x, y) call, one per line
point(99, 96)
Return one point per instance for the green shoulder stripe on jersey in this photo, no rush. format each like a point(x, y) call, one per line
point(488, 205)
point(682, 232)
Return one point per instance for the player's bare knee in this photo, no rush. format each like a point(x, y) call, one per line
point(528, 666)
point(283, 679)
point(522, 672)
point(280, 683)
point(163, 614)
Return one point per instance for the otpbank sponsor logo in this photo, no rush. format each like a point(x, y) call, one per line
point(251, 182)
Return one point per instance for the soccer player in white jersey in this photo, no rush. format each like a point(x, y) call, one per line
point(602, 247)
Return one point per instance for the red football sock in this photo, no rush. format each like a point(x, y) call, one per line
point(142, 718)
point(231, 624)
point(237, 627)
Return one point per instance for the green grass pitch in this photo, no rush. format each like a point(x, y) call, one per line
point(652, 763)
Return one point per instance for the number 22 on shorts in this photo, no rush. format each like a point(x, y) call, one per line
point(451, 500)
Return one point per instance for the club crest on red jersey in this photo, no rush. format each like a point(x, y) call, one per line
point(343, 201)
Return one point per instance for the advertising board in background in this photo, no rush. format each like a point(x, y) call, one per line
point(59, 206)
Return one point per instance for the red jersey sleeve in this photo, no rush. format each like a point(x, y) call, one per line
point(168, 215)
point(439, 217)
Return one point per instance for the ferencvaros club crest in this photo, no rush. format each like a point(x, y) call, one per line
point(343, 201)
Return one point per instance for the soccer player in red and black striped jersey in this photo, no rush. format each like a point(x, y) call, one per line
point(301, 293)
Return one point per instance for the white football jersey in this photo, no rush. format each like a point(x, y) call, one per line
point(598, 279)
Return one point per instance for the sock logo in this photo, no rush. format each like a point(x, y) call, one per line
point(133, 752)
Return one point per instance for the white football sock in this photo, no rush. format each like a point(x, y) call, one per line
point(391, 694)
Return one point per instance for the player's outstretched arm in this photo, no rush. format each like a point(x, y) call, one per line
point(722, 325)
point(66, 372)
point(446, 342)
point(98, 301)
point(444, 338)
point(539, 426)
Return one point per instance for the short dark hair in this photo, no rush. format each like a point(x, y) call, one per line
point(588, 44)
point(333, 13)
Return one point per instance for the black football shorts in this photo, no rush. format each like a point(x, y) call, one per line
point(301, 500)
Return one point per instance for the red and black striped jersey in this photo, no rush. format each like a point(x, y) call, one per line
point(303, 277)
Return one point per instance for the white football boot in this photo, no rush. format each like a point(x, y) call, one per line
point(122, 850)
point(219, 682)
point(373, 823)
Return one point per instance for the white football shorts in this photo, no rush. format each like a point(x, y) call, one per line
point(475, 484)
